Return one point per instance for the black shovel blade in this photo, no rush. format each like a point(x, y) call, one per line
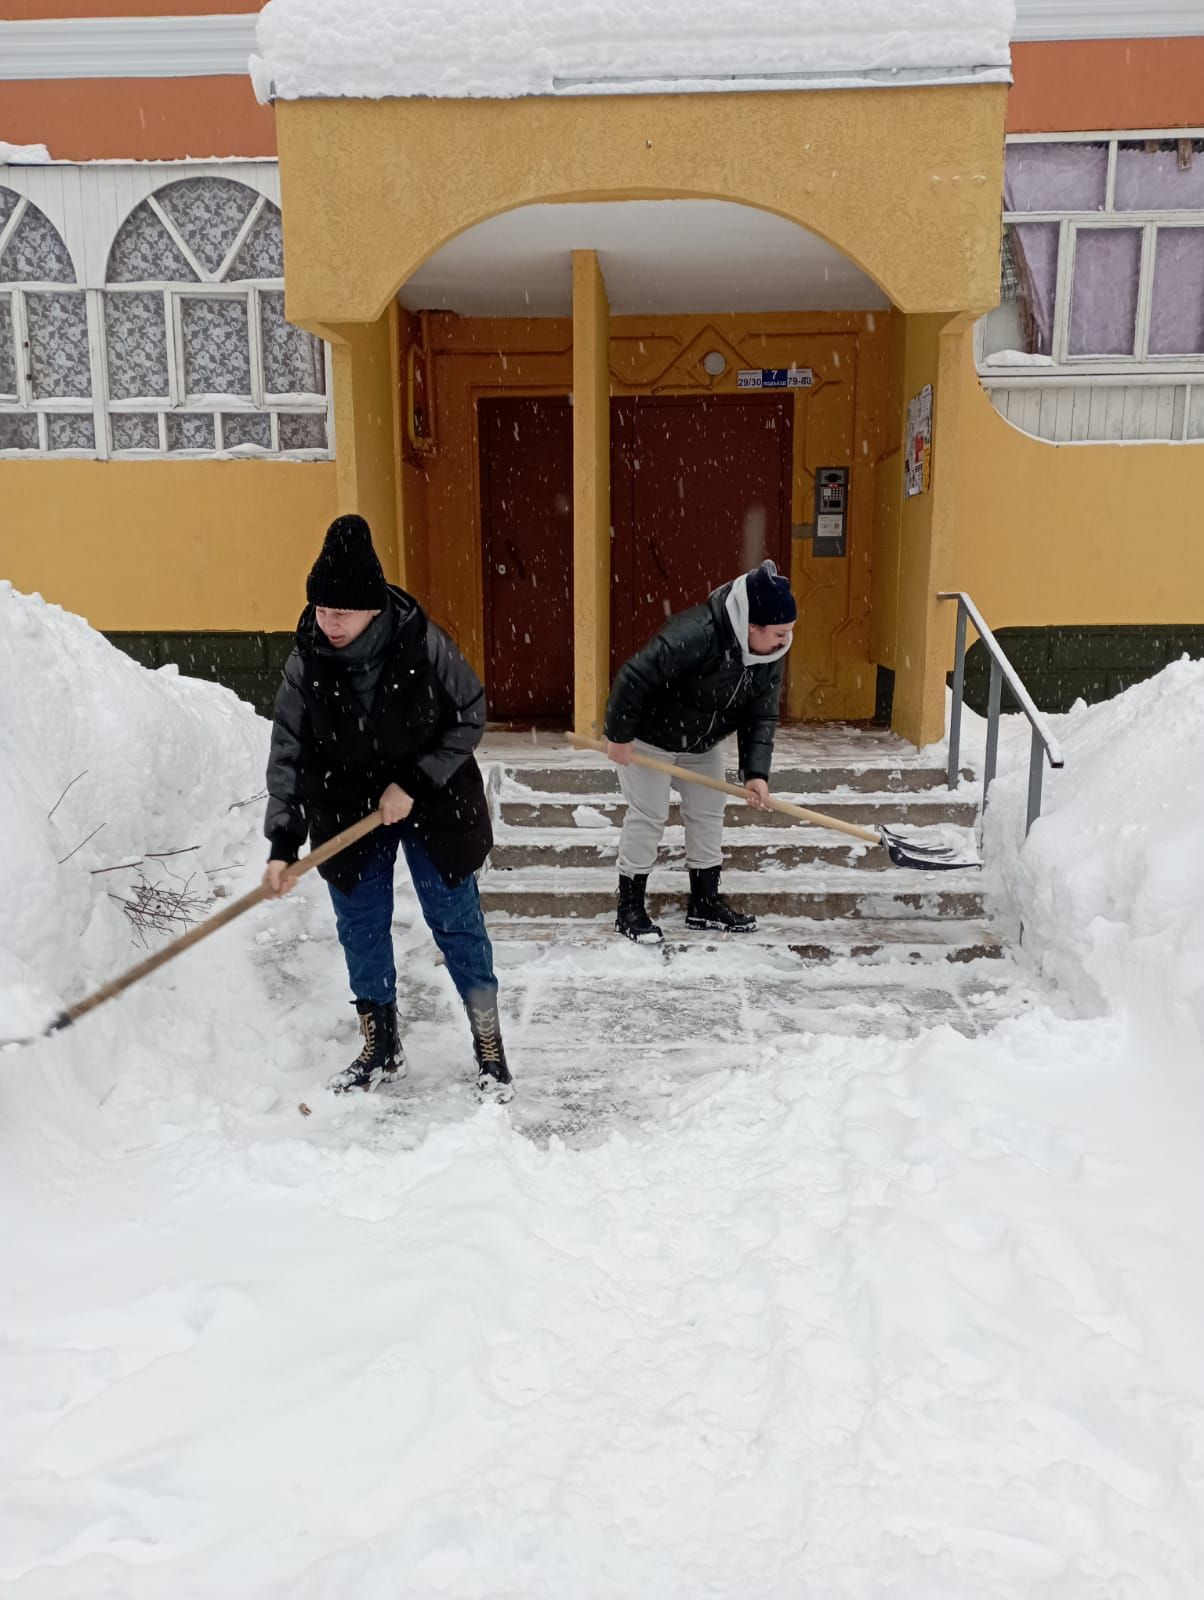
point(922, 857)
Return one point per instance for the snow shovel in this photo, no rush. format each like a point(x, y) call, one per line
point(903, 852)
point(315, 858)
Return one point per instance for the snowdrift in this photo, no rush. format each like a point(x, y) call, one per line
point(103, 763)
point(1110, 884)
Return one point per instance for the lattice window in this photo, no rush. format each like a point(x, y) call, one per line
point(194, 317)
point(45, 355)
point(176, 343)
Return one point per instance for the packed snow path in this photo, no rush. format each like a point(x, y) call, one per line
point(602, 1037)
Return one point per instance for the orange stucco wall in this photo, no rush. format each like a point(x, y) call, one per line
point(138, 119)
point(1077, 85)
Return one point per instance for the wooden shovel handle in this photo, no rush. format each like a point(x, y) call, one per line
point(315, 858)
point(800, 813)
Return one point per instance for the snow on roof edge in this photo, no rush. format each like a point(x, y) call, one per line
point(509, 49)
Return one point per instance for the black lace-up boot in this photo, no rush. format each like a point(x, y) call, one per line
point(381, 1060)
point(708, 909)
point(493, 1075)
point(633, 921)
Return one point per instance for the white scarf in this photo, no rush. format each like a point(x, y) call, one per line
point(737, 610)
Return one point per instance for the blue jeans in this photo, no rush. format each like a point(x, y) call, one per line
point(364, 918)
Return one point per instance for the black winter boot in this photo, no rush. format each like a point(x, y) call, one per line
point(493, 1075)
point(708, 909)
point(632, 920)
point(382, 1059)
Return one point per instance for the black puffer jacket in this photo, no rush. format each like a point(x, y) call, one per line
point(688, 688)
point(406, 709)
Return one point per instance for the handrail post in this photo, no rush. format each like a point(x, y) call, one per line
point(1036, 771)
point(955, 713)
point(993, 699)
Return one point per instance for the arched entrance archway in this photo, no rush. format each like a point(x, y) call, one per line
point(741, 355)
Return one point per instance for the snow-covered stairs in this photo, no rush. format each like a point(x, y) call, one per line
point(551, 878)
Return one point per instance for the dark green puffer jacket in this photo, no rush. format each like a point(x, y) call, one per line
point(688, 688)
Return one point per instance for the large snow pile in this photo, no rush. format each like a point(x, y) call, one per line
point(111, 777)
point(1111, 880)
point(497, 49)
point(836, 1316)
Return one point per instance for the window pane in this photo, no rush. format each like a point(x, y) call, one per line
point(217, 354)
point(262, 252)
point(59, 358)
point(1103, 307)
point(136, 337)
point(67, 432)
point(1177, 314)
point(1023, 322)
point(303, 431)
point(8, 351)
point(195, 432)
point(1055, 177)
point(144, 252)
point(240, 429)
point(1150, 176)
point(208, 212)
point(134, 431)
point(36, 253)
point(18, 432)
point(292, 358)
point(8, 204)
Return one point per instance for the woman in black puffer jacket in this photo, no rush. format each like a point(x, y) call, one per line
point(713, 670)
point(379, 709)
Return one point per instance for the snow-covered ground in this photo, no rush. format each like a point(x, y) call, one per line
point(824, 1314)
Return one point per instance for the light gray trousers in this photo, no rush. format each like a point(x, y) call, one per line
point(647, 796)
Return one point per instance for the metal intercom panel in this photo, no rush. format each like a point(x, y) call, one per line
point(831, 511)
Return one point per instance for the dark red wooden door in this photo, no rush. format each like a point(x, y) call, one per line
point(700, 492)
point(527, 535)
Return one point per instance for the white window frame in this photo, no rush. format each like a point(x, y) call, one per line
point(25, 402)
point(1140, 367)
point(88, 205)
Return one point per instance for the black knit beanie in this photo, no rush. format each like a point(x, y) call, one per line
point(770, 602)
point(347, 575)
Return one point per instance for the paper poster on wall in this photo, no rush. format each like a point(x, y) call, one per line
point(919, 441)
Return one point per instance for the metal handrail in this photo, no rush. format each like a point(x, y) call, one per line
point(1043, 742)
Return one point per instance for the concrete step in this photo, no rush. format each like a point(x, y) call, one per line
point(904, 810)
point(839, 892)
point(884, 778)
point(771, 850)
point(879, 940)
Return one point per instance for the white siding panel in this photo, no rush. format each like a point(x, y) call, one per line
point(1137, 407)
point(1164, 413)
point(1092, 412)
point(1080, 427)
point(1063, 416)
point(1106, 19)
point(1195, 418)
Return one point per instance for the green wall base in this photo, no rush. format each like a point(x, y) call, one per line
point(1061, 665)
point(249, 663)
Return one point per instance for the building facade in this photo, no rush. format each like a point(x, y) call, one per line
point(579, 356)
